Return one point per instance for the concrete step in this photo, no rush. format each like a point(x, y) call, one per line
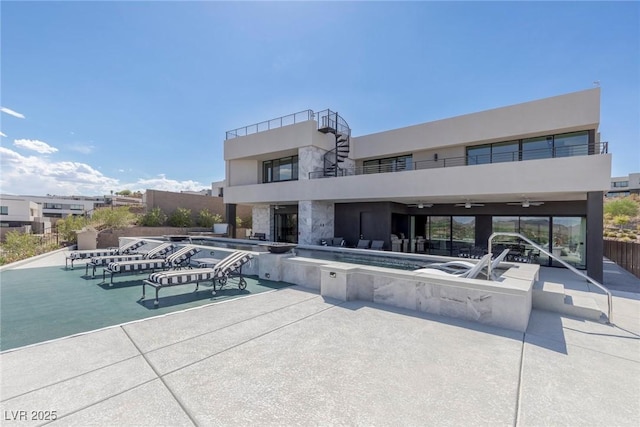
point(551, 296)
point(584, 307)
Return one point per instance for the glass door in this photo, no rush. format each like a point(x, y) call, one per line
point(286, 227)
point(569, 240)
point(535, 229)
point(439, 235)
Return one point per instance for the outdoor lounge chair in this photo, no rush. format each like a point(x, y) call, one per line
point(230, 266)
point(157, 252)
point(180, 258)
point(461, 266)
point(470, 273)
point(363, 244)
point(377, 245)
point(127, 248)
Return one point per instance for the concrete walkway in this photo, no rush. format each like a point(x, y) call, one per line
point(291, 357)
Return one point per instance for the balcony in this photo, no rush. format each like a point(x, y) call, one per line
point(515, 156)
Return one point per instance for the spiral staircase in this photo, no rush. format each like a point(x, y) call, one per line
point(331, 122)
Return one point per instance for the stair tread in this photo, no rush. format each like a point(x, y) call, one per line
point(550, 287)
point(581, 302)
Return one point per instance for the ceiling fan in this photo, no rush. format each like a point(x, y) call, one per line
point(468, 204)
point(420, 205)
point(526, 203)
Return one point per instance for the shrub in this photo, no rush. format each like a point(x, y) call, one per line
point(624, 206)
point(207, 219)
point(246, 222)
point(68, 227)
point(116, 218)
point(181, 217)
point(154, 218)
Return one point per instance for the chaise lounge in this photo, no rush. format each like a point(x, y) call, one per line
point(159, 251)
point(177, 260)
point(127, 248)
point(228, 267)
point(468, 273)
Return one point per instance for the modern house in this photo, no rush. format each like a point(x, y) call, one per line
point(624, 185)
point(18, 213)
point(442, 187)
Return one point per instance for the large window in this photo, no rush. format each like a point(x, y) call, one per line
point(543, 147)
point(620, 184)
point(450, 235)
point(4, 210)
point(389, 164)
point(284, 169)
point(52, 206)
point(76, 207)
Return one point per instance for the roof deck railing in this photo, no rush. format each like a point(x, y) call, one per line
point(290, 119)
point(515, 156)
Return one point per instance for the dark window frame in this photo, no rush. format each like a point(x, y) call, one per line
point(271, 169)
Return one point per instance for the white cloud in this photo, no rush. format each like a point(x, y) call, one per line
point(35, 145)
point(2, 134)
point(11, 112)
point(164, 184)
point(38, 175)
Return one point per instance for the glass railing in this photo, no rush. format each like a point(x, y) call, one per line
point(516, 156)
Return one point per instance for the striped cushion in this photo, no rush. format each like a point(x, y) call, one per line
point(160, 251)
point(131, 246)
point(182, 255)
point(104, 260)
point(166, 278)
point(223, 269)
point(136, 265)
point(92, 253)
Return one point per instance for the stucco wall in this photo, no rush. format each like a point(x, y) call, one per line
point(169, 201)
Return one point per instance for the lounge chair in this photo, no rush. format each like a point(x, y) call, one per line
point(228, 267)
point(157, 252)
point(180, 258)
point(363, 244)
point(461, 266)
point(469, 273)
point(127, 248)
point(377, 245)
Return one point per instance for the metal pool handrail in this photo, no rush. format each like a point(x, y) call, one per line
point(570, 267)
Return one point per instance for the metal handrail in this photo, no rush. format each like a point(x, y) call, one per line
point(570, 267)
point(516, 156)
point(278, 122)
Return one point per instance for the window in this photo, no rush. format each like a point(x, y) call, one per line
point(537, 148)
point(52, 206)
point(479, 155)
point(4, 210)
point(620, 184)
point(388, 164)
point(76, 207)
point(505, 152)
point(284, 169)
point(571, 144)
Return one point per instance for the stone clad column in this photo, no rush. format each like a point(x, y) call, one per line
point(261, 220)
point(315, 221)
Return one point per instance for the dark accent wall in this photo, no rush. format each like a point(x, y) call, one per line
point(348, 221)
point(595, 244)
point(230, 215)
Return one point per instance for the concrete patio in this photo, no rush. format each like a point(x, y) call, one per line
point(292, 357)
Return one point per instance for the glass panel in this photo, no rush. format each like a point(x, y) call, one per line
point(505, 152)
point(387, 165)
point(294, 173)
point(463, 235)
point(569, 238)
point(479, 155)
point(537, 148)
point(267, 171)
point(440, 235)
point(506, 224)
point(371, 166)
point(537, 230)
point(571, 144)
point(284, 169)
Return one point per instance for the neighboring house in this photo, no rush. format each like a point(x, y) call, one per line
point(624, 185)
point(17, 213)
point(442, 187)
point(64, 206)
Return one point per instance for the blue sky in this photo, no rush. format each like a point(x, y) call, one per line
point(102, 96)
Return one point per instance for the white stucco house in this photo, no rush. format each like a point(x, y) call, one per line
point(442, 187)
